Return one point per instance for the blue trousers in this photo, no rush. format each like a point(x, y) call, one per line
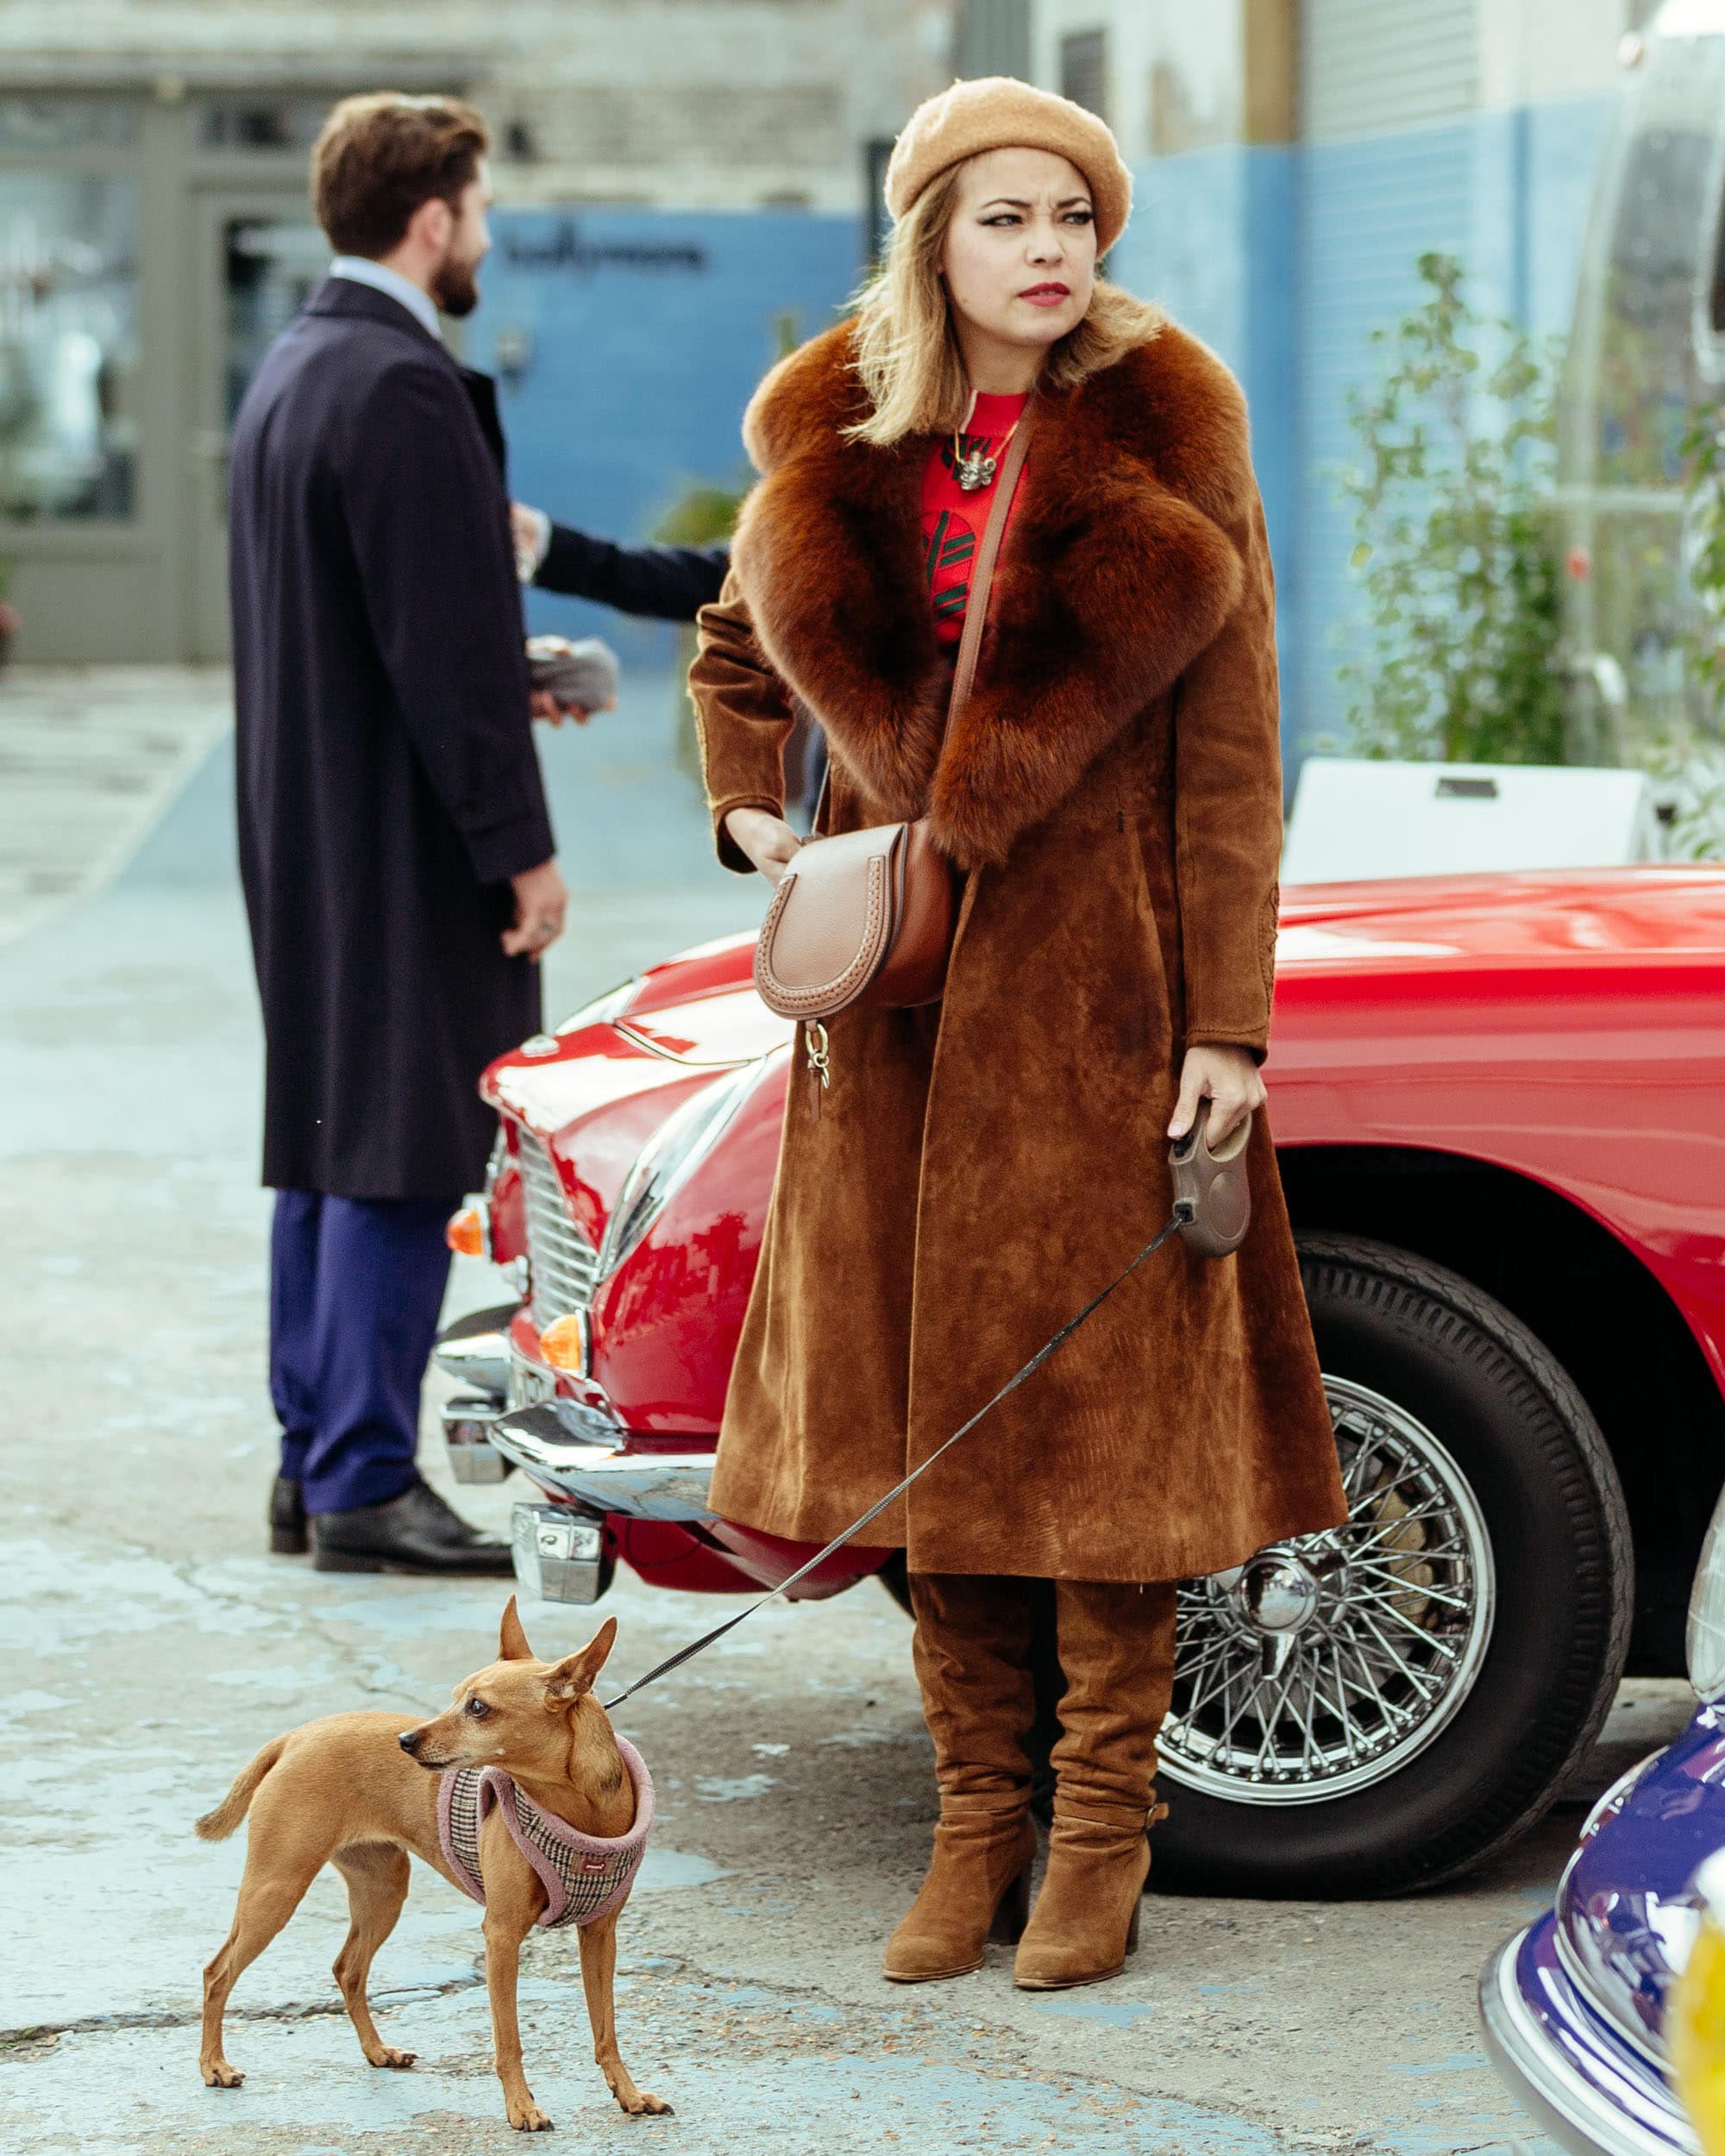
point(356, 1285)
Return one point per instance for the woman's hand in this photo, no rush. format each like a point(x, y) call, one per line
point(1227, 1078)
point(768, 841)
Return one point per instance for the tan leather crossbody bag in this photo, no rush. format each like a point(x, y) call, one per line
point(867, 916)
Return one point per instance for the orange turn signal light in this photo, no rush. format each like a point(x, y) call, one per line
point(563, 1344)
point(467, 1234)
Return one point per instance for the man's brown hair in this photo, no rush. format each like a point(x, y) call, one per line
point(380, 155)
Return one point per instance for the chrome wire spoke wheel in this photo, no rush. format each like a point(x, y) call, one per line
point(1324, 1664)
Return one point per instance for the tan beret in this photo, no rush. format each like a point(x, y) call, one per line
point(998, 112)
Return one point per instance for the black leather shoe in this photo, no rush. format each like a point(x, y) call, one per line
point(414, 1532)
point(287, 1519)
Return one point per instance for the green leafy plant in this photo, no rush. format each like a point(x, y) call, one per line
point(703, 515)
point(1702, 450)
point(1456, 654)
point(1687, 758)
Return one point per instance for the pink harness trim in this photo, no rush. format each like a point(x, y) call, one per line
point(584, 1876)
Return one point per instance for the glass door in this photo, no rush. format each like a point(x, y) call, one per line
point(261, 255)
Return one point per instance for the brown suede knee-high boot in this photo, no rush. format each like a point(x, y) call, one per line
point(1117, 1649)
point(973, 1663)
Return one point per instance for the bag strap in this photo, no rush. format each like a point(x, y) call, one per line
point(976, 605)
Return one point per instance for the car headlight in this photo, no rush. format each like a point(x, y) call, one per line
point(1706, 1641)
point(603, 1009)
point(681, 1142)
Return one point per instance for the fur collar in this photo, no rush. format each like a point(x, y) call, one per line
point(1119, 569)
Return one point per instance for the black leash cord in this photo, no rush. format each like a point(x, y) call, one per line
point(708, 1639)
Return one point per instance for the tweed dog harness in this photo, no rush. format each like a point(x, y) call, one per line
point(584, 1876)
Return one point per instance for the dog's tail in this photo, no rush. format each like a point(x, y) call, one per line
point(217, 1825)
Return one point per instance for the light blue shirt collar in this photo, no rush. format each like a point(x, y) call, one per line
point(362, 271)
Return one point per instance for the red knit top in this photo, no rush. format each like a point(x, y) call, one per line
point(952, 521)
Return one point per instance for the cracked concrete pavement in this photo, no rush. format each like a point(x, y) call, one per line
point(151, 1647)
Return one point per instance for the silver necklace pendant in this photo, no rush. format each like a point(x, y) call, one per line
point(974, 471)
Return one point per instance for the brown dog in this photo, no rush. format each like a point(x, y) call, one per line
point(361, 1791)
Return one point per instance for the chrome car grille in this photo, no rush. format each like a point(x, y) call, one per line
point(564, 1263)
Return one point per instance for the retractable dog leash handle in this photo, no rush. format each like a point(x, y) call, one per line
point(1211, 1211)
point(1211, 1194)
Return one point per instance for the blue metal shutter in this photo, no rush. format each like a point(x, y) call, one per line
point(1386, 101)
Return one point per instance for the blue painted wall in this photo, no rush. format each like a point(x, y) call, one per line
point(1212, 237)
point(1287, 259)
point(648, 332)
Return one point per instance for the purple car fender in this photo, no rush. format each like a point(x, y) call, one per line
point(1574, 2007)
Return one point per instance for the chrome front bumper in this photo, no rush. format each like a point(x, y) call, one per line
point(509, 1415)
point(559, 1554)
point(468, 1421)
point(1593, 2092)
point(592, 1468)
point(475, 1353)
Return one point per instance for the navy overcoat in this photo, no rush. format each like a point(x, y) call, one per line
point(388, 784)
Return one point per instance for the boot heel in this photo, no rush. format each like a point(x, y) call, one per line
point(1012, 1912)
point(1132, 1928)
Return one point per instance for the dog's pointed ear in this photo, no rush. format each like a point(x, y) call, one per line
point(511, 1644)
point(575, 1673)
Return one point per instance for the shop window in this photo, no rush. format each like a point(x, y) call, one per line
point(68, 345)
point(269, 125)
point(1715, 293)
point(34, 124)
point(271, 266)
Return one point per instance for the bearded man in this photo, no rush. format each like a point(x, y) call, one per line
point(396, 853)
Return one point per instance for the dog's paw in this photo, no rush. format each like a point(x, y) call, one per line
point(646, 2107)
point(387, 2055)
point(527, 2118)
point(219, 2075)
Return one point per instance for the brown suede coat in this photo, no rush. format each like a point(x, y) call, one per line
point(982, 1168)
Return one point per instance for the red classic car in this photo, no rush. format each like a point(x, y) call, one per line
point(1498, 1102)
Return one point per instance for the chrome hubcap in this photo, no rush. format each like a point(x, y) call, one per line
point(1324, 1664)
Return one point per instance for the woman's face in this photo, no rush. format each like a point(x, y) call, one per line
point(1019, 258)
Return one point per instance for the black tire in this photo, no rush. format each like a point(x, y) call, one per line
point(1555, 1514)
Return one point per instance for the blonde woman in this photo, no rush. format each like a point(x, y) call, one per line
point(1112, 798)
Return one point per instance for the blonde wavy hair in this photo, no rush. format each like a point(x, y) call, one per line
point(908, 356)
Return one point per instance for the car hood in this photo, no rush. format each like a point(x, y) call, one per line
point(1451, 923)
point(595, 1094)
point(696, 1014)
point(1564, 919)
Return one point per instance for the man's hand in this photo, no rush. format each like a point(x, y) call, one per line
point(541, 899)
point(1226, 1076)
point(543, 705)
point(768, 841)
